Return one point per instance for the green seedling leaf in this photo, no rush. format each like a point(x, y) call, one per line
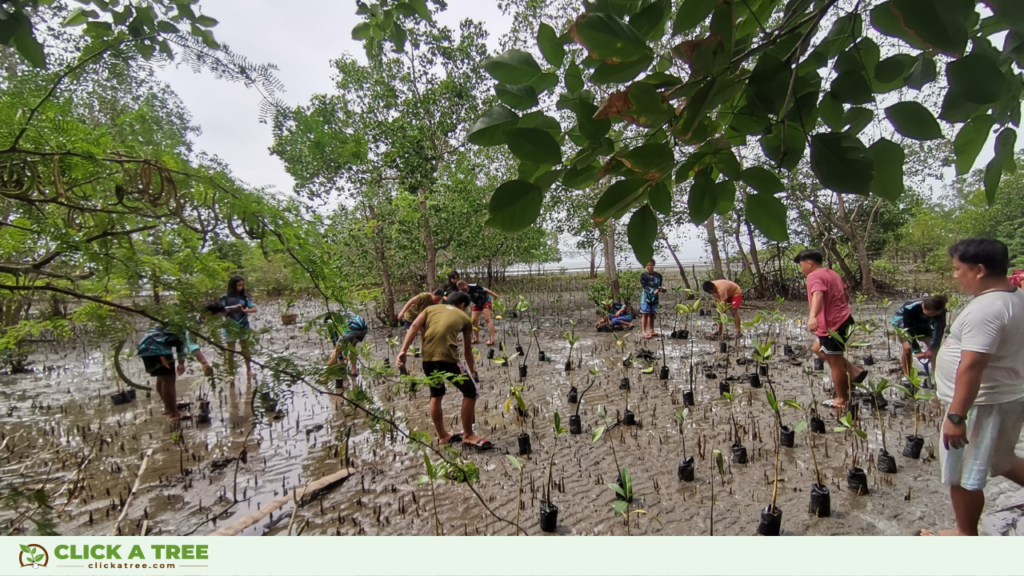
point(515, 462)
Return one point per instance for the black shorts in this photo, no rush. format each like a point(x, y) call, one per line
point(467, 387)
point(406, 324)
point(830, 345)
point(155, 367)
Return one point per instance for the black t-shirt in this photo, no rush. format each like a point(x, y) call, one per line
point(450, 287)
point(651, 283)
point(477, 294)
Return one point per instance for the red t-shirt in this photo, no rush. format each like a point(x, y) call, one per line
point(836, 309)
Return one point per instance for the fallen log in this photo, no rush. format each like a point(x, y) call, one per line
point(313, 489)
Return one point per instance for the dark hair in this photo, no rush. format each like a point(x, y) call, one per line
point(992, 254)
point(214, 307)
point(233, 290)
point(452, 275)
point(460, 283)
point(651, 261)
point(812, 255)
point(458, 299)
point(439, 292)
point(708, 287)
point(935, 303)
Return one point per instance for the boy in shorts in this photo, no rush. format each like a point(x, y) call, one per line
point(618, 315)
point(727, 291)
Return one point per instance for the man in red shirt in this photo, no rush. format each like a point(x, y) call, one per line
point(830, 311)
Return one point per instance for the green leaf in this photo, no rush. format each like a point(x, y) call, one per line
point(923, 72)
point(942, 24)
point(620, 505)
point(888, 158)
point(660, 198)
point(540, 120)
point(78, 17)
point(800, 427)
point(648, 109)
point(26, 549)
point(23, 38)
point(518, 96)
point(726, 193)
point(970, 140)
point(955, 108)
point(703, 198)
point(610, 73)
point(512, 67)
point(1006, 140)
point(913, 120)
point(762, 180)
point(515, 461)
point(491, 129)
point(831, 112)
point(649, 22)
point(515, 206)
point(787, 149)
point(856, 119)
point(534, 145)
point(618, 199)
point(894, 68)
point(544, 82)
point(842, 163)
point(768, 214)
point(574, 78)
point(581, 177)
point(642, 231)
point(852, 88)
point(845, 31)
point(976, 78)
point(609, 38)
point(597, 435)
point(884, 19)
point(591, 129)
point(652, 160)
point(550, 45)
point(691, 13)
point(768, 84)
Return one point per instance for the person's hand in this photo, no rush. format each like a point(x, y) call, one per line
point(181, 368)
point(812, 324)
point(928, 356)
point(954, 436)
point(400, 360)
point(207, 369)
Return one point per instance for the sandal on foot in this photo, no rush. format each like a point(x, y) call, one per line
point(455, 438)
point(481, 444)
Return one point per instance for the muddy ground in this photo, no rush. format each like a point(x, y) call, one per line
point(63, 435)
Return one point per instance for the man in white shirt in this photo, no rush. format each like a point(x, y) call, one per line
point(980, 380)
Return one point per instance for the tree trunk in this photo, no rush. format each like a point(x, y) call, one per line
point(754, 260)
point(867, 283)
point(716, 257)
point(391, 319)
point(608, 237)
point(593, 262)
point(490, 274)
point(428, 242)
point(739, 248)
point(682, 271)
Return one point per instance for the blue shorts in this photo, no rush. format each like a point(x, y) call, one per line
point(406, 324)
point(646, 308)
point(616, 320)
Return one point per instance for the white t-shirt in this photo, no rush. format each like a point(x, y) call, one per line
point(992, 323)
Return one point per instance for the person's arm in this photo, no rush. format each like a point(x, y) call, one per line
point(410, 337)
point(898, 320)
point(467, 349)
point(492, 294)
point(252, 309)
point(207, 369)
point(817, 303)
point(407, 306)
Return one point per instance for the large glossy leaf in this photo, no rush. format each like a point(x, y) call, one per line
point(660, 198)
point(768, 214)
point(941, 24)
point(550, 45)
point(762, 180)
point(857, 119)
point(852, 88)
point(592, 129)
point(768, 84)
point(831, 112)
point(785, 147)
point(609, 38)
point(492, 127)
point(642, 231)
point(618, 199)
point(691, 13)
point(894, 68)
point(611, 73)
point(970, 140)
point(703, 198)
point(976, 78)
point(573, 78)
point(544, 82)
point(515, 206)
point(885, 20)
point(726, 193)
point(649, 23)
point(518, 96)
point(888, 158)
point(534, 145)
point(922, 72)
point(647, 107)
point(842, 163)
point(651, 160)
point(913, 120)
point(512, 67)
point(956, 109)
point(1001, 162)
point(541, 120)
point(581, 177)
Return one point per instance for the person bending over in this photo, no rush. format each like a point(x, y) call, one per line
point(157, 349)
point(922, 322)
point(443, 324)
point(481, 299)
point(354, 331)
point(417, 304)
point(727, 291)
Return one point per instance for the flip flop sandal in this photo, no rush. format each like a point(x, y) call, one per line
point(482, 444)
point(455, 438)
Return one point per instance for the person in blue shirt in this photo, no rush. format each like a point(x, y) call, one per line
point(352, 331)
point(651, 282)
point(921, 321)
point(157, 350)
point(617, 315)
point(239, 307)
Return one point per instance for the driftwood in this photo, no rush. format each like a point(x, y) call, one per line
point(313, 488)
point(135, 488)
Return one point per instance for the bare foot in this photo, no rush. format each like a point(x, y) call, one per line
point(489, 343)
point(940, 533)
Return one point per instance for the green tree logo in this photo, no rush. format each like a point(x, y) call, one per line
point(33, 555)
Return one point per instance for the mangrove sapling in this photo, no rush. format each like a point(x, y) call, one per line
point(869, 328)
point(435, 471)
point(572, 338)
point(686, 465)
point(575, 424)
point(548, 509)
point(516, 395)
point(739, 452)
point(663, 375)
point(771, 517)
point(624, 497)
point(917, 394)
point(821, 499)
point(886, 462)
point(519, 499)
point(885, 304)
point(856, 478)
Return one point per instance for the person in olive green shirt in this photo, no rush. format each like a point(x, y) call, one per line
point(417, 304)
point(442, 324)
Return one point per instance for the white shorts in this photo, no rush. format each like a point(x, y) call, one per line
point(993, 431)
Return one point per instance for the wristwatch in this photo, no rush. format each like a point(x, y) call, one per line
point(956, 418)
